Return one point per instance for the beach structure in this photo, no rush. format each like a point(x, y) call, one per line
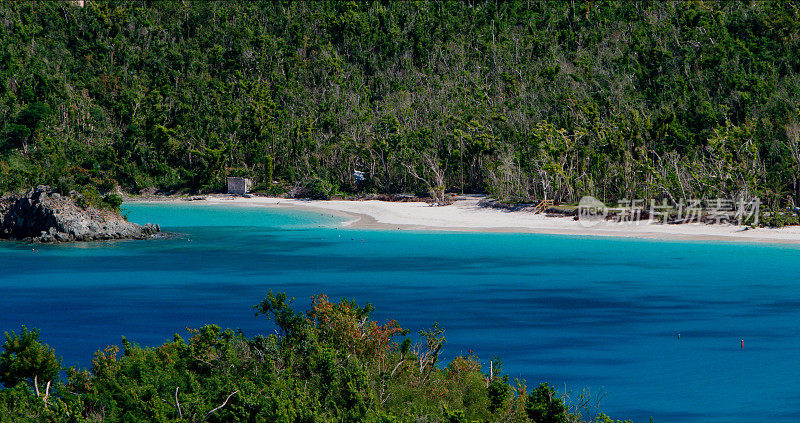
point(239, 186)
point(542, 206)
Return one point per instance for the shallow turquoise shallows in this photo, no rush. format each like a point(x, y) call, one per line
point(599, 314)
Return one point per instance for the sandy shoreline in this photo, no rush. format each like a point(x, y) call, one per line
point(465, 215)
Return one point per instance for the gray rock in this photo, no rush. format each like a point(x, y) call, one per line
point(42, 215)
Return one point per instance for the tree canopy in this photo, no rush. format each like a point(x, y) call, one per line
point(332, 363)
point(522, 100)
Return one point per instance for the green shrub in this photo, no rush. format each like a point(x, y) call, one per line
point(545, 406)
point(315, 188)
point(89, 197)
point(112, 202)
point(331, 363)
point(26, 359)
point(498, 391)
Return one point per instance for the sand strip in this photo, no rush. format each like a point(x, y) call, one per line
point(467, 216)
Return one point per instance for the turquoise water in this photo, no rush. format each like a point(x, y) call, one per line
point(600, 314)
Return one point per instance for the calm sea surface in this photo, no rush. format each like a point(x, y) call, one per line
point(580, 313)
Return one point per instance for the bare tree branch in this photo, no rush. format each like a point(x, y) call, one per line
point(177, 404)
point(223, 404)
point(46, 393)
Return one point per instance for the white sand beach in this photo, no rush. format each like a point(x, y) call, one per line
point(466, 215)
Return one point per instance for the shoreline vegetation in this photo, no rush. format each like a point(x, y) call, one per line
point(522, 101)
point(470, 213)
point(332, 363)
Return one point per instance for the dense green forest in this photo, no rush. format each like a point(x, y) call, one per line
point(522, 100)
point(332, 363)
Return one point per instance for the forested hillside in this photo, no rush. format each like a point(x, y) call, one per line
point(523, 100)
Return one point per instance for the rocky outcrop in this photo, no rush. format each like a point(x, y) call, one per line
point(43, 215)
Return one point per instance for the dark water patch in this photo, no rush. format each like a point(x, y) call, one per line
point(781, 306)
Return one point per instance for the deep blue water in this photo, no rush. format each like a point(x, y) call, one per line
point(601, 314)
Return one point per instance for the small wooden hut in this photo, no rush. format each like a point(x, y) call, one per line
point(239, 186)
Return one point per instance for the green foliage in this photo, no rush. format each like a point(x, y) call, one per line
point(551, 99)
point(112, 201)
point(777, 219)
point(17, 135)
point(26, 359)
point(498, 391)
point(545, 406)
point(277, 308)
point(269, 170)
point(32, 115)
point(315, 188)
point(603, 418)
point(331, 363)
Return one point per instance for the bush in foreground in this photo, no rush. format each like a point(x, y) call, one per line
point(332, 363)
